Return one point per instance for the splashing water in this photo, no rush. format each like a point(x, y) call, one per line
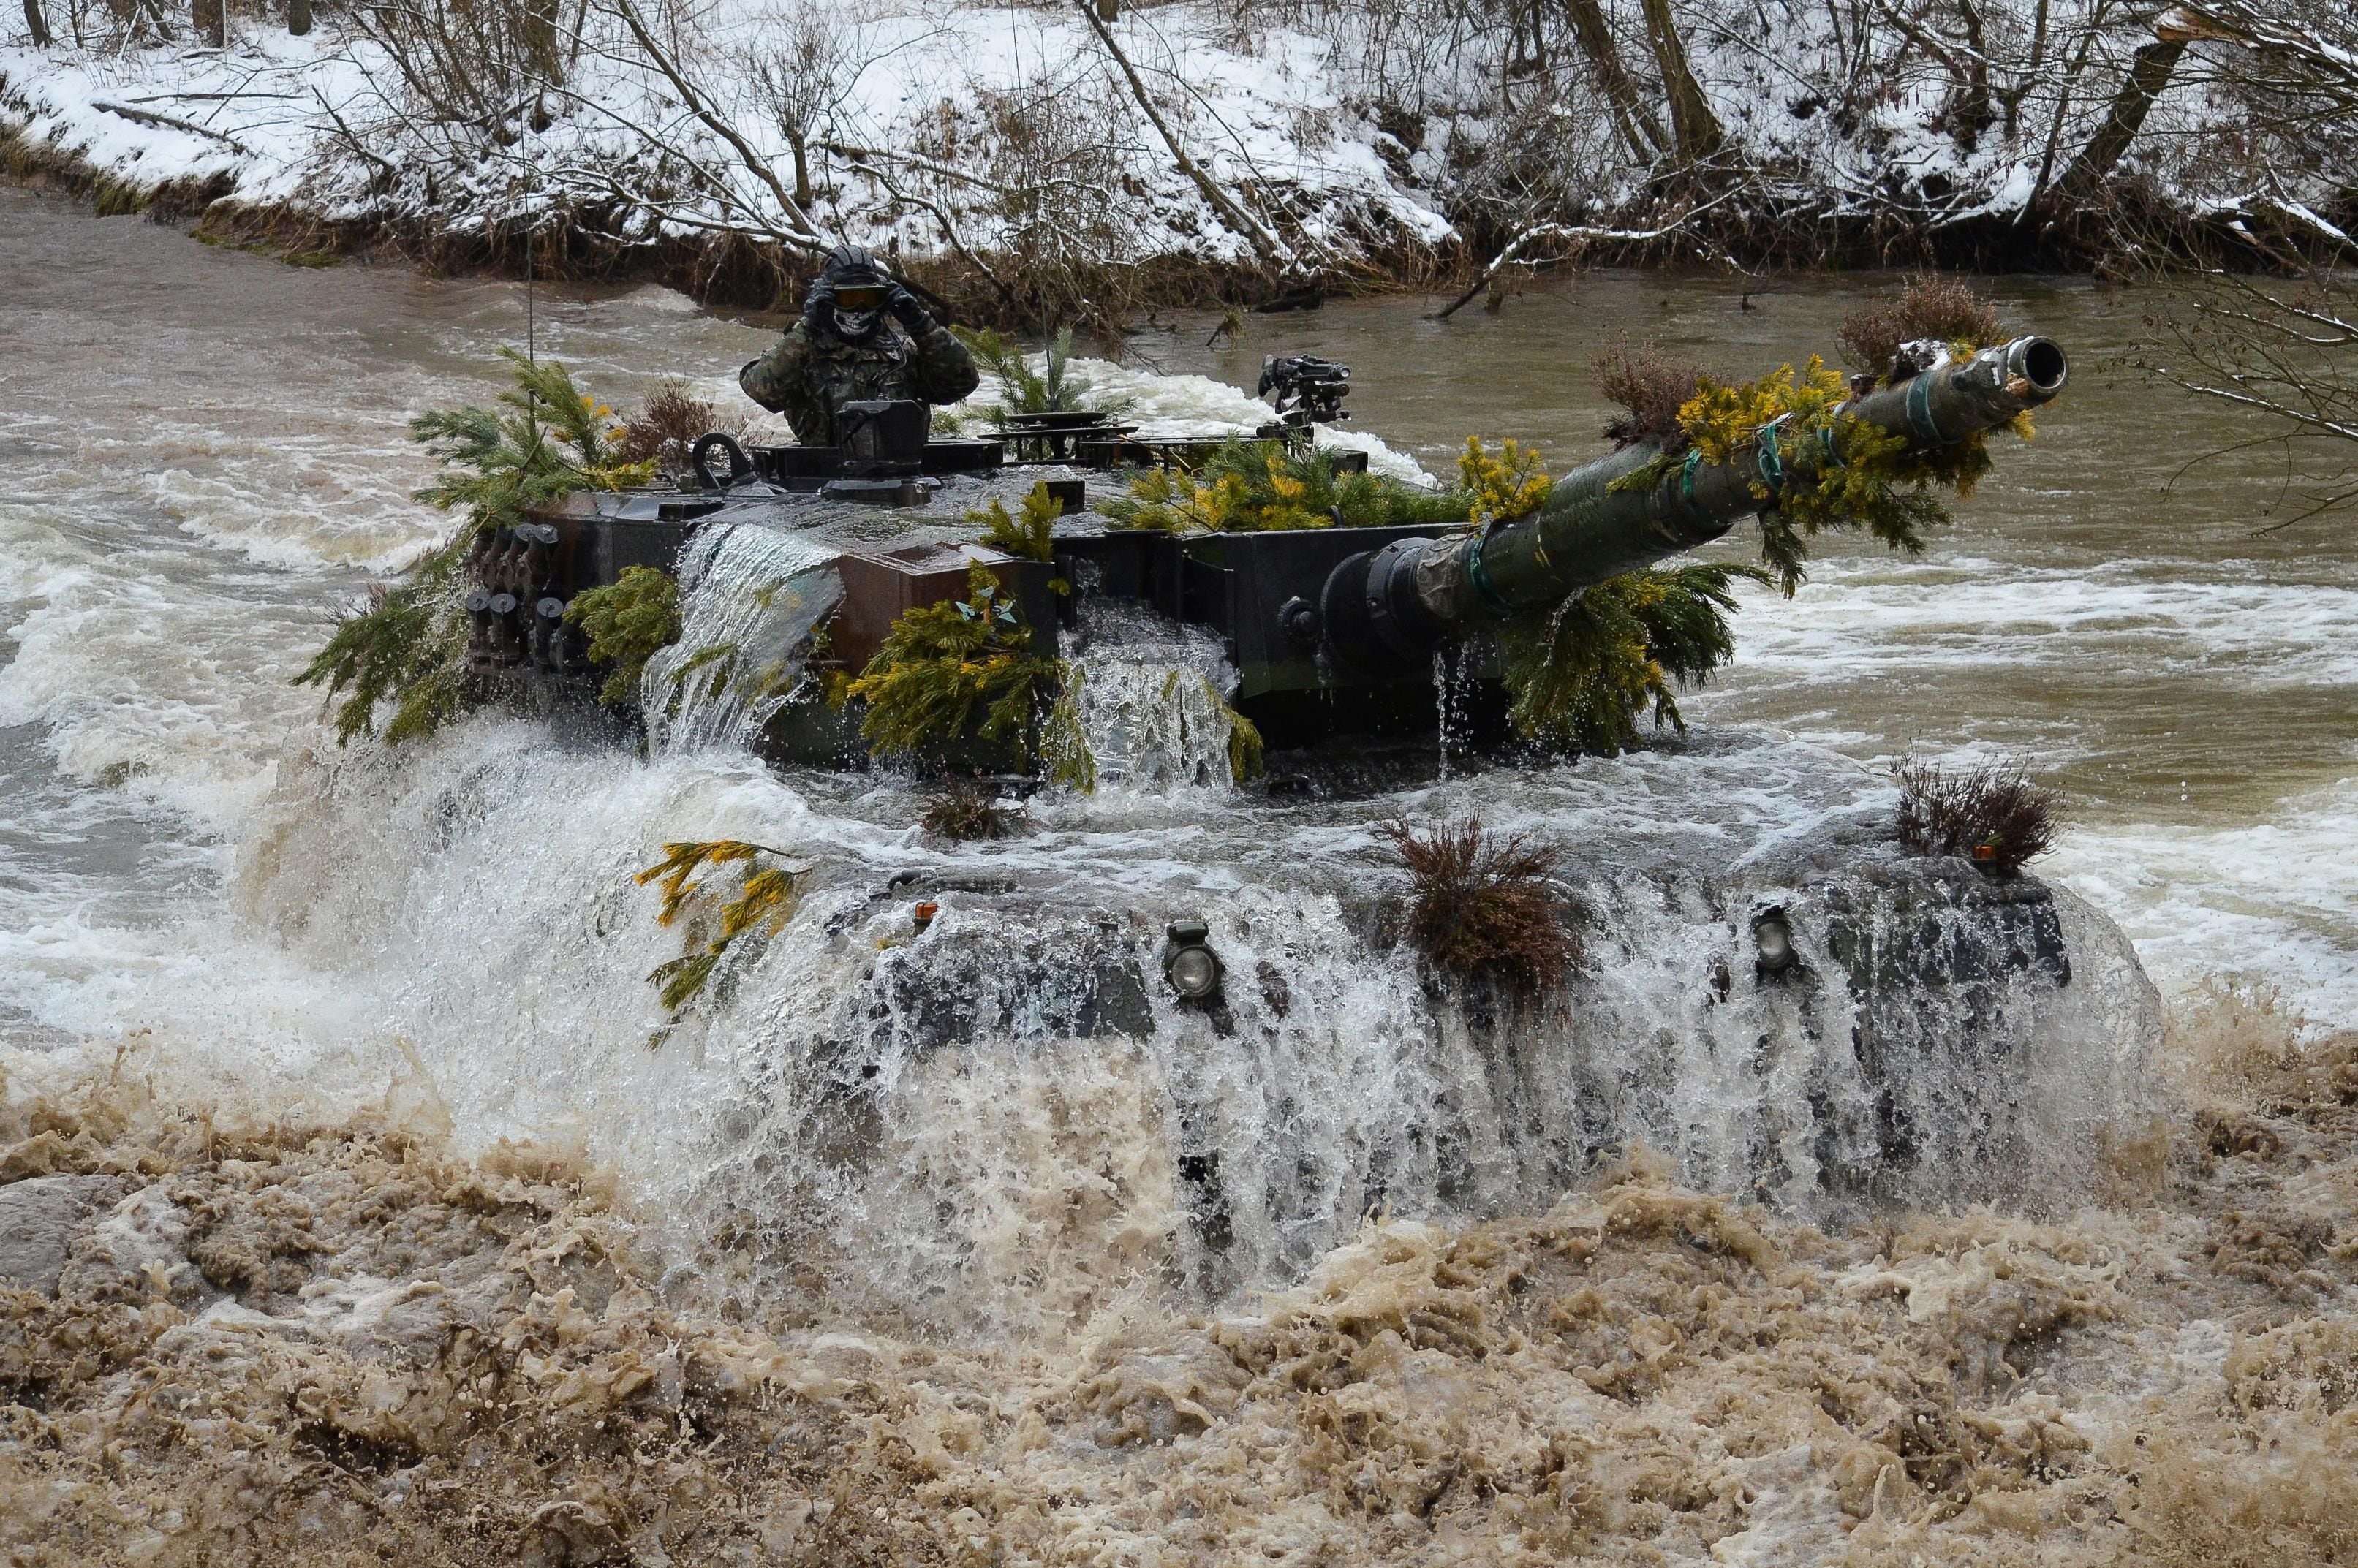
point(751, 598)
point(1154, 698)
point(978, 1244)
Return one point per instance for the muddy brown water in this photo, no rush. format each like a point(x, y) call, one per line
point(205, 456)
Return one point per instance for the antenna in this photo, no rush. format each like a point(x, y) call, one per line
point(530, 322)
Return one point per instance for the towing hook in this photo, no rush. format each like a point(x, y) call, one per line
point(700, 457)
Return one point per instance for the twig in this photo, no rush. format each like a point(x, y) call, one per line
point(718, 123)
point(1579, 234)
point(1264, 243)
point(209, 97)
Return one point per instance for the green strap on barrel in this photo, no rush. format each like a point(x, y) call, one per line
point(1772, 461)
point(1686, 486)
point(1919, 411)
point(1479, 575)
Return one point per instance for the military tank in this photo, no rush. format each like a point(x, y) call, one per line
point(1886, 1027)
point(1329, 631)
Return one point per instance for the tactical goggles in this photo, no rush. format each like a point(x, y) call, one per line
point(860, 296)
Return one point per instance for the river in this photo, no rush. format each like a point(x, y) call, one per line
point(991, 1338)
point(208, 459)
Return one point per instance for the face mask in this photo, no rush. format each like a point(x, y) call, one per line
point(855, 324)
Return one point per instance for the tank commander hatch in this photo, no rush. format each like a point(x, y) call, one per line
point(843, 351)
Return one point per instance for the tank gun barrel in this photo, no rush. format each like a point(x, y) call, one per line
point(1390, 607)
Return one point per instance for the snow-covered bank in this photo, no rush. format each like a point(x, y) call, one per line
point(926, 114)
point(1040, 162)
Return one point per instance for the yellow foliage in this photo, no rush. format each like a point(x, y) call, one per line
point(1229, 502)
point(1030, 533)
point(765, 903)
point(1504, 487)
point(1876, 480)
point(1723, 421)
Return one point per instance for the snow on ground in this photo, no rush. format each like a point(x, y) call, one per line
point(322, 122)
point(928, 125)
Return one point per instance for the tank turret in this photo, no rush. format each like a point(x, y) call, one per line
point(1329, 629)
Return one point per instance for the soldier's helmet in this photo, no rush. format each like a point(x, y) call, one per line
point(850, 291)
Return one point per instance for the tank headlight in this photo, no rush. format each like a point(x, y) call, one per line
point(1188, 961)
point(1772, 941)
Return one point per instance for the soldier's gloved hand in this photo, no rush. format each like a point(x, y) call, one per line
point(904, 308)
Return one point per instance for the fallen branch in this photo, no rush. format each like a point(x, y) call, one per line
point(210, 97)
point(171, 122)
point(1578, 235)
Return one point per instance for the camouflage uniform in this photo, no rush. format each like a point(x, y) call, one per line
point(814, 371)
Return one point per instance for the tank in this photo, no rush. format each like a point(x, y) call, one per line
point(1330, 632)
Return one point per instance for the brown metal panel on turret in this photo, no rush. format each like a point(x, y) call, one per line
point(880, 586)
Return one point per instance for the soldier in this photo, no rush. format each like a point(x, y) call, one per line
point(842, 351)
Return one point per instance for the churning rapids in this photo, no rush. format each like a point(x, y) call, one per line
point(372, 1205)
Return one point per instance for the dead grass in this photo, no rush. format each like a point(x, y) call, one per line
point(1945, 308)
point(1481, 904)
point(1649, 390)
point(962, 812)
point(1995, 814)
point(667, 424)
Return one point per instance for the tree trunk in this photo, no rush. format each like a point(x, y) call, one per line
point(540, 39)
point(1692, 120)
point(40, 28)
point(212, 19)
point(298, 18)
point(1639, 132)
point(2149, 72)
point(802, 170)
point(1975, 110)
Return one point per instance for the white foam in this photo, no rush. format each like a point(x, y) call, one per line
point(1877, 617)
point(2275, 899)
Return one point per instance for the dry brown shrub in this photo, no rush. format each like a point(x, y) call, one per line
point(1995, 807)
point(962, 812)
point(1481, 904)
point(667, 424)
point(1930, 306)
point(1649, 390)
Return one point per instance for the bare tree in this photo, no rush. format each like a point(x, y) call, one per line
point(1692, 121)
point(2147, 76)
point(804, 64)
point(1640, 133)
point(37, 25)
point(1265, 244)
point(467, 67)
point(2289, 354)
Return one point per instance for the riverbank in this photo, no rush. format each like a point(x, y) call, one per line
point(1032, 167)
